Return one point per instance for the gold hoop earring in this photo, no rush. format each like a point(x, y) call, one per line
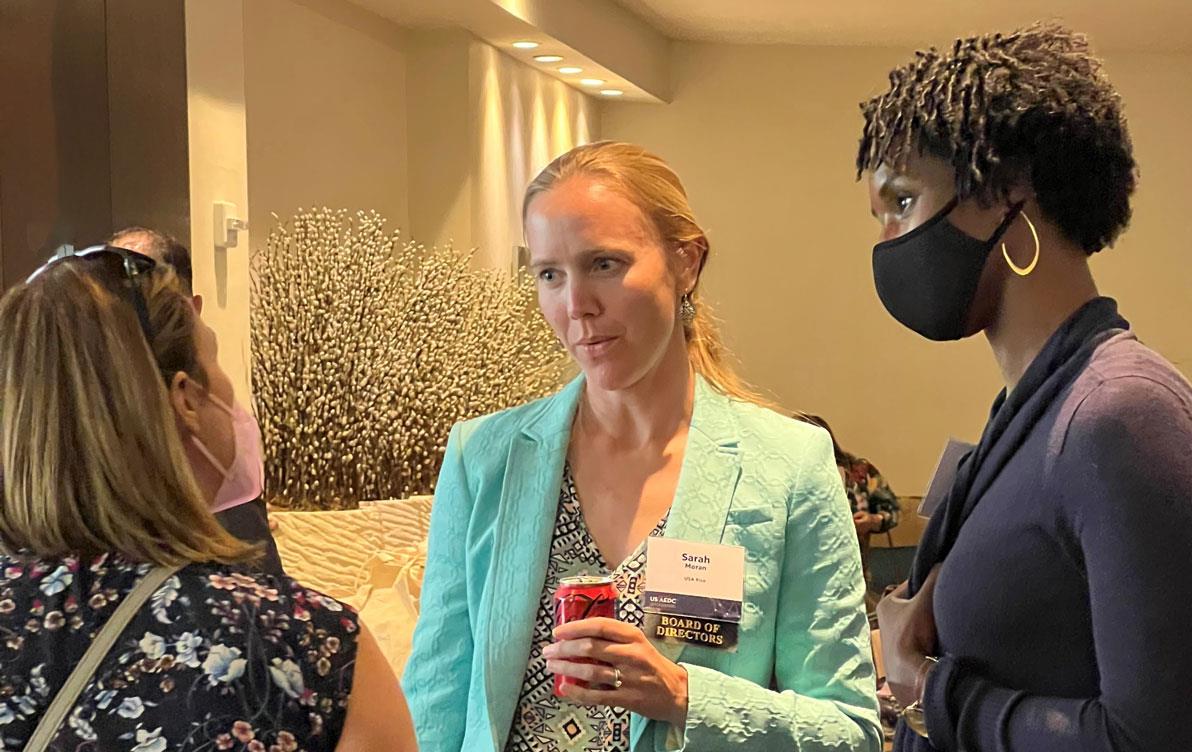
point(1021, 271)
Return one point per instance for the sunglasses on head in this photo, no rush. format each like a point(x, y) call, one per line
point(132, 264)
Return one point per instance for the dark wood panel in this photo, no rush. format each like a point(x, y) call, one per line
point(54, 163)
point(147, 115)
point(93, 124)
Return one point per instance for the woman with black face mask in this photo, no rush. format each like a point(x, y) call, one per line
point(1047, 606)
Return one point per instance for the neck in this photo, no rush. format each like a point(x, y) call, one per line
point(207, 477)
point(650, 411)
point(1034, 307)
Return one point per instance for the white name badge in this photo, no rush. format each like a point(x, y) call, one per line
point(694, 592)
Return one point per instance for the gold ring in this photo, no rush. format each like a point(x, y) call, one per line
point(617, 678)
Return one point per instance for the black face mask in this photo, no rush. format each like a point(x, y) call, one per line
point(927, 278)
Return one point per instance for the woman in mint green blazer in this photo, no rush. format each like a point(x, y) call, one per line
point(656, 438)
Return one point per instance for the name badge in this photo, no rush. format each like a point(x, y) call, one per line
point(694, 592)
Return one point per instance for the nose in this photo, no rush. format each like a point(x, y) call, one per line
point(890, 229)
point(581, 300)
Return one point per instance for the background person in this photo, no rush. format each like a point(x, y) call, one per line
point(233, 484)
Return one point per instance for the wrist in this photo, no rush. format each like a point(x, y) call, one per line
point(679, 697)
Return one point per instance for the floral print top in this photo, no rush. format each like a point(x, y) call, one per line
point(217, 659)
point(869, 492)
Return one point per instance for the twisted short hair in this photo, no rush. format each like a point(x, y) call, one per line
point(1033, 105)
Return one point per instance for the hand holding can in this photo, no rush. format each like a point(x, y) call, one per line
point(579, 598)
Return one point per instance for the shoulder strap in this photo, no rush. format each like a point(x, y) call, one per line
point(55, 714)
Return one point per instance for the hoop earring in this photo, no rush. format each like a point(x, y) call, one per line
point(1021, 271)
point(687, 309)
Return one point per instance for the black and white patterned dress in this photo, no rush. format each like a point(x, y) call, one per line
point(543, 722)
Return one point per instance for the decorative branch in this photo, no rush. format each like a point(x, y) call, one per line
point(366, 350)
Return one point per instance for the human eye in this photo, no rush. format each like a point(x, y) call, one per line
point(606, 264)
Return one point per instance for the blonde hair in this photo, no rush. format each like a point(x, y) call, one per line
point(651, 184)
point(92, 458)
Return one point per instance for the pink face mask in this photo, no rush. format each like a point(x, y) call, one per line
point(243, 481)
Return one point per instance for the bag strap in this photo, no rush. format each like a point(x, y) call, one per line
point(80, 677)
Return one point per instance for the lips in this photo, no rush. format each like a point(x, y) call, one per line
point(595, 346)
point(594, 340)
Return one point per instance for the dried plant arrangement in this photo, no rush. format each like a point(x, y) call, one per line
point(367, 348)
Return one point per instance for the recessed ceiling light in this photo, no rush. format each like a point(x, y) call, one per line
point(592, 82)
point(549, 58)
point(570, 70)
point(525, 45)
point(611, 92)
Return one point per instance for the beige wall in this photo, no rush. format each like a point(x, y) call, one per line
point(1150, 270)
point(524, 120)
point(325, 86)
point(297, 103)
point(765, 138)
point(441, 155)
point(481, 127)
point(433, 128)
point(218, 169)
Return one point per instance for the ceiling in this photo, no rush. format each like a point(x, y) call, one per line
point(1152, 25)
point(609, 45)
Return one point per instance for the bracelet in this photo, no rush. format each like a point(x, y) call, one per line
point(913, 714)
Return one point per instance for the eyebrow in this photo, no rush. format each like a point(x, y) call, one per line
point(585, 255)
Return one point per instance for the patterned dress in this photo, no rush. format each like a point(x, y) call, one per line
point(869, 492)
point(217, 659)
point(543, 722)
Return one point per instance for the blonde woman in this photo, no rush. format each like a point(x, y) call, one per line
point(658, 437)
point(100, 510)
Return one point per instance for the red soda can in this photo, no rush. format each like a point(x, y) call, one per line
point(582, 598)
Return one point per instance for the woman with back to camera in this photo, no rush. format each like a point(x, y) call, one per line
point(127, 622)
point(656, 438)
point(1044, 609)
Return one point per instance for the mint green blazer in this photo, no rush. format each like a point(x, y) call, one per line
point(802, 677)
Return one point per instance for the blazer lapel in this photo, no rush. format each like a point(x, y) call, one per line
point(711, 469)
point(707, 480)
point(521, 549)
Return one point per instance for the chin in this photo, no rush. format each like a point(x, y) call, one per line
point(609, 377)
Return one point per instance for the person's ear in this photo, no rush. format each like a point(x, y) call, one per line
point(1021, 192)
point(692, 255)
point(185, 401)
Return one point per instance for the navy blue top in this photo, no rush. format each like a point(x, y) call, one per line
point(1063, 603)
